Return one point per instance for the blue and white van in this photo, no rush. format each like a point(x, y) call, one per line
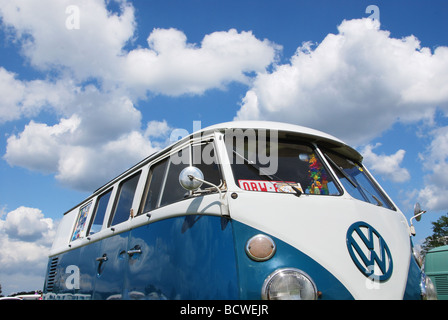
point(239, 210)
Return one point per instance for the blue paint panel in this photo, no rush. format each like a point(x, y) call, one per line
point(413, 290)
point(190, 257)
point(187, 257)
point(252, 274)
point(87, 266)
point(110, 275)
point(67, 259)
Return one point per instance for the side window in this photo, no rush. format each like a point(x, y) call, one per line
point(155, 184)
point(81, 221)
point(99, 213)
point(204, 158)
point(124, 201)
point(172, 190)
point(163, 187)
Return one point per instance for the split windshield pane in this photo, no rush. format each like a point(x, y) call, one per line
point(357, 182)
point(298, 165)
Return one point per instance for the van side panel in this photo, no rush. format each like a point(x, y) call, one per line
point(110, 274)
point(186, 257)
point(189, 257)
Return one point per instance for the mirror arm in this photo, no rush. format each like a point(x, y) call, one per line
point(224, 207)
point(412, 228)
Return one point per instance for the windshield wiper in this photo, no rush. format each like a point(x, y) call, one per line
point(354, 184)
point(271, 177)
point(346, 176)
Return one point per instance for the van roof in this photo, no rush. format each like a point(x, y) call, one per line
point(271, 125)
point(439, 249)
point(310, 134)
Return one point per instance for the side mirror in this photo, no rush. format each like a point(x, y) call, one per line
point(418, 212)
point(417, 216)
point(191, 178)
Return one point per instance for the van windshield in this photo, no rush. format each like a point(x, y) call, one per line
point(357, 181)
point(282, 167)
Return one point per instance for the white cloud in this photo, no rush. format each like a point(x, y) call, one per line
point(100, 137)
point(157, 129)
point(93, 84)
point(28, 224)
point(354, 84)
point(435, 161)
point(87, 168)
point(12, 92)
point(28, 98)
point(40, 28)
point(76, 162)
point(388, 166)
point(172, 66)
point(25, 240)
point(38, 146)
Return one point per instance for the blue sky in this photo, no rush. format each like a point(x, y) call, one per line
point(83, 102)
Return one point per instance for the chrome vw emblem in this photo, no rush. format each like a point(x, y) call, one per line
point(369, 251)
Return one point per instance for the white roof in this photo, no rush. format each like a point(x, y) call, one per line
point(311, 134)
point(272, 125)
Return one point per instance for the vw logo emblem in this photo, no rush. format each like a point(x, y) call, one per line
point(369, 251)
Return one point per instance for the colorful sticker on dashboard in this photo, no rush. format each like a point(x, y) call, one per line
point(269, 186)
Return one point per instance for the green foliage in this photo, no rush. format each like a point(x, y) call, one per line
point(439, 236)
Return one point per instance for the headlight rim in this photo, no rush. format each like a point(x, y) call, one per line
point(271, 276)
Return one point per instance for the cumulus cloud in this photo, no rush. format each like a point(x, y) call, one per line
point(28, 224)
point(80, 165)
point(28, 98)
point(94, 84)
point(84, 168)
point(388, 166)
point(435, 162)
point(172, 66)
point(169, 65)
point(25, 240)
point(354, 84)
point(40, 27)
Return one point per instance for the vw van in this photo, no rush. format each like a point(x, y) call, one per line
point(239, 210)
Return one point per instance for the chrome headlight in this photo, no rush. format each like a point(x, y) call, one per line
point(428, 289)
point(289, 284)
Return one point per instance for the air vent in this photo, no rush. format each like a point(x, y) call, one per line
point(441, 284)
point(51, 276)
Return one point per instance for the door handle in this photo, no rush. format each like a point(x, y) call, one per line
point(100, 268)
point(134, 250)
point(102, 258)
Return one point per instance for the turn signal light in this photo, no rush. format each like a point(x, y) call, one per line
point(260, 247)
